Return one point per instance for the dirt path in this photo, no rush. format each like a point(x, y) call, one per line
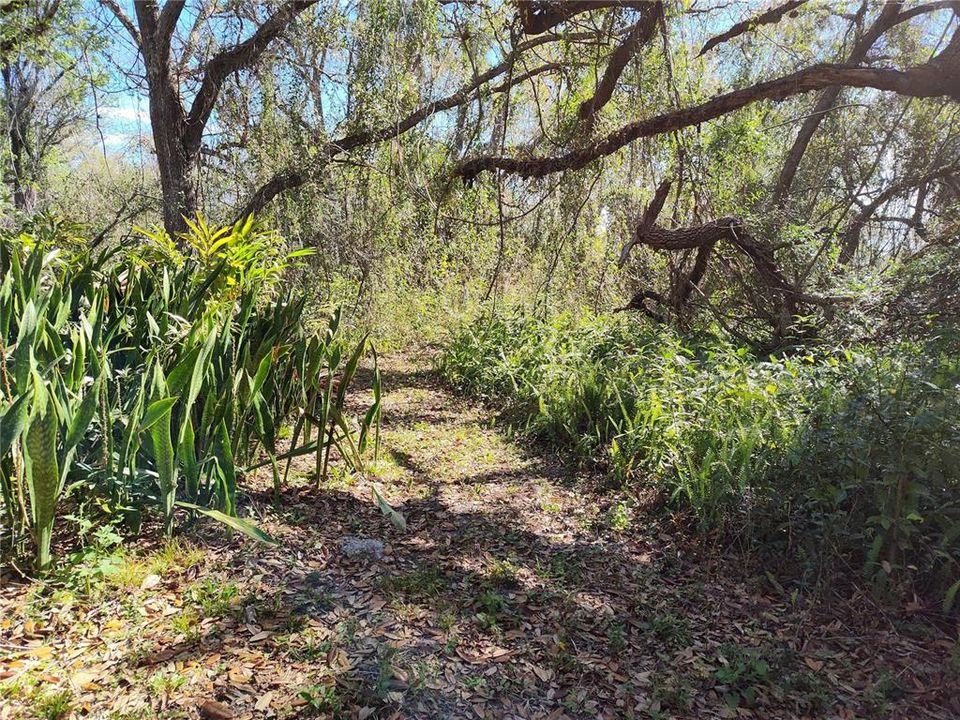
point(513, 593)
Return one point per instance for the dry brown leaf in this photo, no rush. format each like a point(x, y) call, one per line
point(150, 581)
point(543, 673)
point(264, 701)
point(213, 710)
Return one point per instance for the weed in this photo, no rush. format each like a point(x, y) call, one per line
point(885, 689)
point(321, 699)
point(311, 648)
point(385, 670)
point(619, 518)
point(744, 673)
point(52, 705)
point(670, 693)
point(670, 630)
point(475, 682)
point(215, 599)
point(163, 684)
point(617, 638)
point(424, 580)
point(491, 606)
point(347, 630)
point(187, 623)
point(504, 573)
point(446, 621)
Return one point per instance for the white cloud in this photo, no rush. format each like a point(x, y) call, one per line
point(125, 114)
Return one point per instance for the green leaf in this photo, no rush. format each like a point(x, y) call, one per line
point(42, 473)
point(164, 459)
point(265, 364)
point(12, 422)
point(156, 410)
point(950, 597)
point(244, 526)
point(396, 519)
point(81, 419)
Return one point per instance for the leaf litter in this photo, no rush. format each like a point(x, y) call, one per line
point(499, 593)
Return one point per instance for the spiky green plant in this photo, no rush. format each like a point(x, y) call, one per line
point(153, 374)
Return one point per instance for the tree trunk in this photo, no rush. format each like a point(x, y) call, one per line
point(176, 166)
point(22, 176)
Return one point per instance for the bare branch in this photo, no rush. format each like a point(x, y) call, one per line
point(538, 16)
point(768, 17)
point(234, 58)
point(127, 23)
point(851, 238)
point(167, 22)
point(294, 178)
point(889, 17)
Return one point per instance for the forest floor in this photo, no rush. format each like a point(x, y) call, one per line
point(516, 591)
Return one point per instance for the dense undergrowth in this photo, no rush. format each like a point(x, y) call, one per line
point(149, 377)
point(826, 454)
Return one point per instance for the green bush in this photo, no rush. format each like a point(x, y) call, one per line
point(153, 375)
point(830, 452)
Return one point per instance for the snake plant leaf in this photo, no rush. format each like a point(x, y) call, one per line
point(262, 371)
point(187, 456)
point(42, 472)
point(155, 412)
point(224, 455)
point(396, 519)
point(350, 370)
point(244, 526)
point(12, 422)
point(163, 456)
point(82, 417)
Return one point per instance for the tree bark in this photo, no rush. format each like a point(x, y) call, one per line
point(940, 77)
point(178, 133)
point(22, 171)
point(637, 37)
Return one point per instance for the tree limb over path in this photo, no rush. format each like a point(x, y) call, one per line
point(302, 175)
point(765, 18)
point(940, 77)
point(891, 15)
point(538, 17)
point(638, 36)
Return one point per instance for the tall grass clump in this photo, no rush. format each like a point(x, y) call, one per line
point(152, 376)
point(831, 452)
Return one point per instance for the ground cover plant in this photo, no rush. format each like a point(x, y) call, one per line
point(822, 452)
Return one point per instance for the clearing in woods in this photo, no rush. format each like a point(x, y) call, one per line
point(516, 591)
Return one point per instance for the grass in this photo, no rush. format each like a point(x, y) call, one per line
point(214, 598)
point(423, 581)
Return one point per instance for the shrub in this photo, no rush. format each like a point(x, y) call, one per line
point(832, 451)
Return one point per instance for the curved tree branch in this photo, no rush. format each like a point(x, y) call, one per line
point(231, 59)
point(850, 242)
point(768, 17)
point(888, 18)
point(538, 16)
point(938, 78)
point(639, 35)
point(296, 177)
